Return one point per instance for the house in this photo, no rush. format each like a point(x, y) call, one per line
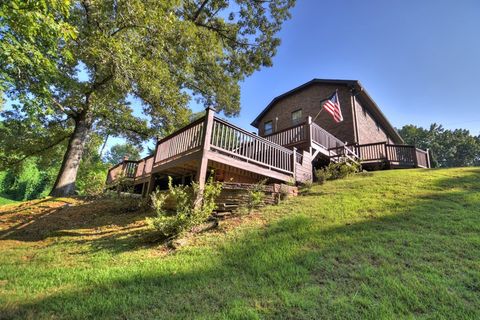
point(363, 121)
point(293, 137)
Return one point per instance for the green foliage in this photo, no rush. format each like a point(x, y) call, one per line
point(448, 148)
point(336, 171)
point(27, 181)
point(34, 177)
point(190, 209)
point(161, 53)
point(118, 152)
point(256, 195)
point(307, 186)
point(92, 173)
point(91, 180)
point(32, 33)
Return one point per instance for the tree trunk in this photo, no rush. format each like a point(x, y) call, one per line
point(65, 183)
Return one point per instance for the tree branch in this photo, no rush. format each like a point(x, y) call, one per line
point(199, 10)
point(37, 152)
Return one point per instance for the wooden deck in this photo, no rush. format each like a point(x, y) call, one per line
point(211, 142)
point(393, 155)
point(310, 135)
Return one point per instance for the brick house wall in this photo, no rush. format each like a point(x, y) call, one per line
point(308, 100)
point(369, 130)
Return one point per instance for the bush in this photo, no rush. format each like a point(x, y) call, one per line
point(307, 186)
point(322, 175)
point(190, 208)
point(26, 181)
point(336, 171)
point(91, 177)
point(256, 196)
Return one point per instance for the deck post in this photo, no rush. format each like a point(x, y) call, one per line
point(309, 133)
point(151, 184)
point(387, 160)
point(415, 159)
point(428, 159)
point(294, 163)
point(201, 175)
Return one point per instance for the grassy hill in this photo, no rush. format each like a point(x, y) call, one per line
point(4, 200)
point(390, 244)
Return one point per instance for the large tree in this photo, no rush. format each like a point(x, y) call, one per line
point(159, 52)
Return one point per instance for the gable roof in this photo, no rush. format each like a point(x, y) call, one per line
point(361, 92)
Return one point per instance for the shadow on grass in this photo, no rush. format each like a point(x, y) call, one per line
point(417, 263)
point(102, 222)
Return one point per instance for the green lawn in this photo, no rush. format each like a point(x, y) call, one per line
point(392, 244)
point(4, 200)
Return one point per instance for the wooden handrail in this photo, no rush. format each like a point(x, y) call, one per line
point(236, 142)
point(328, 135)
point(285, 129)
point(255, 136)
point(176, 133)
point(184, 140)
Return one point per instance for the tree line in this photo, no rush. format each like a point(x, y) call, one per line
point(448, 148)
point(35, 176)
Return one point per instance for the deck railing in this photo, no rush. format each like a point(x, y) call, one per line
point(144, 167)
point(371, 151)
point(423, 158)
point(290, 136)
point(267, 152)
point(305, 132)
point(393, 154)
point(324, 138)
point(182, 141)
point(127, 168)
point(234, 141)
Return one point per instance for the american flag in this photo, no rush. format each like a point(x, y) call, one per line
point(332, 106)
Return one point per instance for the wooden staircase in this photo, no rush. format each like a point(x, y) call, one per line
point(344, 154)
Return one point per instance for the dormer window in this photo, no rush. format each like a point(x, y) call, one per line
point(296, 116)
point(268, 127)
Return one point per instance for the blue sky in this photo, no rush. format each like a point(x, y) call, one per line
point(419, 60)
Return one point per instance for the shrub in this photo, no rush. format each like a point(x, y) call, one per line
point(322, 175)
point(26, 181)
point(307, 186)
point(191, 209)
point(123, 183)
point(336, 171)
point(92, 184)
point(256, 195)
point(284, 192)
point(91, 177)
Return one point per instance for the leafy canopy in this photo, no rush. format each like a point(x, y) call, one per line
point(119, 151)
point(89, 59)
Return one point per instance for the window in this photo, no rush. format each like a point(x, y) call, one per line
point(296, 116)
point(268, 127)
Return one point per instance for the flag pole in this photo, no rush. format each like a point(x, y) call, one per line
point(321, 109)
